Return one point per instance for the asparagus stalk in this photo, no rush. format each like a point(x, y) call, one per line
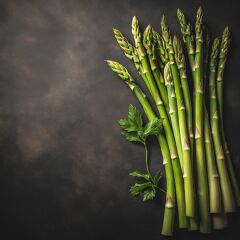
point(213, 176)
point(186, 148)
point(203, 195)
point(225, 43)
point(168, 221)
point(166, 124)
point(227, 194)
point(181, 64)
point(224, 49)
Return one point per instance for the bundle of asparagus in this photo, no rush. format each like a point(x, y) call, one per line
point(200, 180)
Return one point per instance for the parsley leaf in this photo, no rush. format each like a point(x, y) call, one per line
point(153, 127)
point(134, 121)
point(138, 188)
point(140, 175)
point(148, 188)
point(149, 194)
point(135, 116)
point(133, 129)
point(132, 137)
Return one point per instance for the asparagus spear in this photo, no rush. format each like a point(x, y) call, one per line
point(227, 194)
point(224, 49)
point(166, 124)
point(225, 43)
point(203, 195)
point(181, 64)
point(213, 176)
point(213, 182)
point(168, 221)
point(186, 149)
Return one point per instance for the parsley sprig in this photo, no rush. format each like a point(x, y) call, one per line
point(134, 130)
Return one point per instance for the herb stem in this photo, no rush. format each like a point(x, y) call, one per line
point(147, 161)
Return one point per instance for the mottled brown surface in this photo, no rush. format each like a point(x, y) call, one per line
point(63, 164)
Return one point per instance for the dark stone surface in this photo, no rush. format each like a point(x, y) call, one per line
point(63, 164)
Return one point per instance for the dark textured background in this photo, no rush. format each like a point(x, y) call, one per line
point(63, 164)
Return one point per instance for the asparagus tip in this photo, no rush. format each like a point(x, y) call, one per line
point(199, 16)
point(148, 28)
point(148, 40)
point(165, 30)
point(134, 22)
point(121, 71)
point(215, 51)
point(226, 34)
point(117, 33)
point(109, 62)
point(179, 12)
point(147, 32)
point(199, 23)
point(135, 31)
point(134, 18)
point(200, 11)
point(163, 20)
point(181, 18)
point(225, 42)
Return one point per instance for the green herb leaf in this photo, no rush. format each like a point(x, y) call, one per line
point(133, 129)
point(133, 126)
point(134, 121)
point(153, 127)
point(138, 188)
point(134, 115)
point(149, 194)
point(140, 175)
point(132, 137)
